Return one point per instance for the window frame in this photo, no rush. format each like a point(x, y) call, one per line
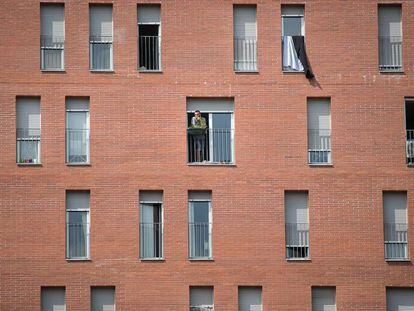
point(210, 229)
point(141, 202)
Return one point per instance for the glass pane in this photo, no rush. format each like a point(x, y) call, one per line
point(151, 231)
point(199, 229)
point(101, 56)
point(52, 59)
point(292, 26)
point(28, 151)
point(77, 137)
point(221, 137)
point(77, 234)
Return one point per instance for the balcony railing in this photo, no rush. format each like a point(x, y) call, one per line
point(149, 53)
point(28, 145)
point(297, 240)
point(319, 144)
point(100, 48)
point(77, 239)
point(395, 241)
point(151, 240)
point(245, 54)
point(390, 53)
point(210, 146)
point(199, 240)
point(77, 145)
point(410, 146)
point(52, 52)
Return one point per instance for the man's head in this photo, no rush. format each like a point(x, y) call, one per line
point(197, 113)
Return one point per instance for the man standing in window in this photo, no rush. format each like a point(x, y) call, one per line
point(198, 122)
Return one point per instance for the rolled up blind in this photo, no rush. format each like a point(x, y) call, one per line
point(100, 20)
point(28, 113)
point(77, 200)
point(245, 21)
point(52, 20)
point(149, 14)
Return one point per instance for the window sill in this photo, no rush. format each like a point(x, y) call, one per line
point(298, 259)
point(78, 164)
point(150, 71)
point(396, 72)
point(152, 259)
point(411, 165)
point(320, 164)
point(292, 72)
point(101, 71)
point(53, 70)
point(398, 260)
point(29, 164)
point(211, 164)
point(246, 71)
point(201, 259)
point(78, 259)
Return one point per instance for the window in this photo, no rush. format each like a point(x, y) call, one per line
point(100, 37)
point(400, 299)
point(201, 298)
point(52, 36)
point(102, 298)
point(151, 225)
point(409, 131)
point(293, 25)
point(245, 38)
point(319, 131)
point(212, 142)
point(390, 38)
point(395, 225)
point(149, 38)
point(77, 130)
point(77, 224)
point(28, 130)
point(200, 225)
point(323, 299)
point(297, 225)
point(250, 298)
point(52, 299)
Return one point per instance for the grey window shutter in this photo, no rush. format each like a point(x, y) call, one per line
point(150, 196)
point(250, 298)
point(52, 20)
point(103, 299)
point(199, 195)
point(395, 207)
point(75, 103)
point(201, 296)
point(295, 10)
point(296, 207)
point(210, 105)
point(100, 20)
point(53, 299)
point(319, 114)
point(245, 21)
point(323, 299)
point(28, 113)
point(389, 20)
point(400, 299)
point(77, 200)
point(149, 14)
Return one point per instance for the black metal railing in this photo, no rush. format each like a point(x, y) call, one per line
point(151, 240)
point(199, 239)
point(409, 146)
point(396, 240)
point(149, 53)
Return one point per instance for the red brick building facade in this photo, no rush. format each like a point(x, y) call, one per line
point(138, 142)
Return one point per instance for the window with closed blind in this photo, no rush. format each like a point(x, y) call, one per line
point(100, 37)
point(52, 36)
point(149, 37)
point(201, 298)
point(102, 298)
point(245, 38)
point(52, 299)
point(28, 130)
point(323, 299)
point(400, 299)
point(319, 131)
point(250, 298)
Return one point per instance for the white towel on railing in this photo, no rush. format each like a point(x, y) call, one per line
point(290, 58)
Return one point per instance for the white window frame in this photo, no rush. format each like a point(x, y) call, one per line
point(159, 45)
point(87, 111)
point(88, 226)
point(210, 229)
point(141, 202)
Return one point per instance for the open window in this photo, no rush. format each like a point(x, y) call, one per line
point(409, 130)
point(149, 38)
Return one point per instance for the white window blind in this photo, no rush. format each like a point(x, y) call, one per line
point(149, 14)
point(245, 21)
point(319, 114)
point(28, 113)
point(103, 299)
point(53, 299)
point(100, 20)
point(323, 299)
point(52, 20)
point(296, 207)
point(250, 298)
point(389, 20)
point(210, 105)
point(400, 299)
point(201, 296)
point(395, 207)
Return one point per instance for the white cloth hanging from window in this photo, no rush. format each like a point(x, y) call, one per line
point(291, 61)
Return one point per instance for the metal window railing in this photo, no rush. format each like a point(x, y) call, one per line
point(201, 308)
point(28, 145)
point(100, 49)
point(245, 53)
point(149, 53)
point(319, 146)
point(210, 145)
point(199, 239)
point(396, 240)
point(151, 240)
point(77, 234)
point(390, 53)
point(409, 143)
point(297, 240)
point(52, 52)
point(77, 145)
